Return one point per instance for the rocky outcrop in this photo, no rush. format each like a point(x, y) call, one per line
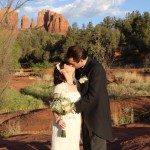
point(11, 19)
point(52, 22)
point(25, 22)
point(32, 23)
point(42, 18)
point(46, 20)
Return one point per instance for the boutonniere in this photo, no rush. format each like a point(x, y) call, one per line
point(83, 79)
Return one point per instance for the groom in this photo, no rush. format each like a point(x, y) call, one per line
point(94, 102)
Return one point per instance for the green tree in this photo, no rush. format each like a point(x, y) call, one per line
point(90, 26)
point(83, 27)
point(75, 26)
point(103, 43)
point(108, 22)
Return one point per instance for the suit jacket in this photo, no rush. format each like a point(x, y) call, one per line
point(94, 103)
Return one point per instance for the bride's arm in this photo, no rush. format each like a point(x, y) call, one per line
point(57, 117)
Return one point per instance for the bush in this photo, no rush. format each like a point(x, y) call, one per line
point(16, 54)
point(44, 65)
point(127, 116)
point(133, 85)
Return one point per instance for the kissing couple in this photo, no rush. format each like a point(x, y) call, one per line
point(83, 80)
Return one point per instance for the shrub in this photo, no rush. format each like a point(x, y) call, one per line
point(133, 85)
point(16, 54)
point(127, 116)
point(44, 65)
point(13, 129)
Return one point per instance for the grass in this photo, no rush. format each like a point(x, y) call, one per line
point(42, 90)
point(14, 101)
point(133, 85)
point(13, 129)
point(126, 116)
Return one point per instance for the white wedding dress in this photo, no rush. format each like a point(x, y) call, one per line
point(73, 124)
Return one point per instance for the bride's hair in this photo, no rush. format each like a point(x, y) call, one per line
point(58, 76)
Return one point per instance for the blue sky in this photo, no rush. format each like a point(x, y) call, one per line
point(84, 11)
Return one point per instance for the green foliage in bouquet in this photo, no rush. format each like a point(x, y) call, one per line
point(62, 106)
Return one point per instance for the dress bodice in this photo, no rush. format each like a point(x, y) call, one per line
point(74, 96)
point(64, 91)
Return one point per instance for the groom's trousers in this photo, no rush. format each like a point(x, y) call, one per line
point(91, 141)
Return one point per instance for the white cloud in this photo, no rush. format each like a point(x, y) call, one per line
point(79, 8)
point(117, 12)
point(117, 2)
point(89, 8)
point(43, 2)
point(49, 2)
point(29, 9)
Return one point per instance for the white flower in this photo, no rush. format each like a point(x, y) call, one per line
point(61, 105)
point(83, 79)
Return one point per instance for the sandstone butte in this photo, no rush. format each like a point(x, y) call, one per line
point(46, 20)
point(11, 19)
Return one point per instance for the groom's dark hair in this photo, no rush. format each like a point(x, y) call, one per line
point(77, 53)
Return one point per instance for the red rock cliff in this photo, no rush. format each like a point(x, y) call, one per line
point(32, 23)
point(11, 19)
point(25, 22)
point(53, 22)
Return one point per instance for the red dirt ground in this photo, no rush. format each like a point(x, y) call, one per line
point(35, 126)
point(35, 133)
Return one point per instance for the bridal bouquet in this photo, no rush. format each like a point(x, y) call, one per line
point(62, 106)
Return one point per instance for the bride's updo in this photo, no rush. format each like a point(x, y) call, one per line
point(58, 76)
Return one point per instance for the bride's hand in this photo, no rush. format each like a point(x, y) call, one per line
point(61, 123)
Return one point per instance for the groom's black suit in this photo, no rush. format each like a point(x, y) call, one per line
point(94, 103)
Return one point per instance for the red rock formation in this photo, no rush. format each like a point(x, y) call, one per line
point(25, 22)
point(41, 18)
point(53, 22)
point(64, 25)
point(32, 23)
point(49, 21)
point(11, 19)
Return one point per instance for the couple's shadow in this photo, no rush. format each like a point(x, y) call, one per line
point(7, 144)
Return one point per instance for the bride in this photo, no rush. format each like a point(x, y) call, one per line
point(66, 86)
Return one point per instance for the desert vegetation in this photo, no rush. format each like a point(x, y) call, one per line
point(15, 101)
point(131, 84)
